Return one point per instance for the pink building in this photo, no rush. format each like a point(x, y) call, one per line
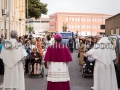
point(84, 23)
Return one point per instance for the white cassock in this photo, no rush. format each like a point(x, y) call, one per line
point(14, 71)
point(104, 70)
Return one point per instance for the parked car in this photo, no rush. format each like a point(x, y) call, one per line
point(117, 62)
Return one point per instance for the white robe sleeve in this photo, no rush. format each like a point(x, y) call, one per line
point(90, 52)
point(23, 52)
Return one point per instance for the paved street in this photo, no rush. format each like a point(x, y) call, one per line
point(77, 82)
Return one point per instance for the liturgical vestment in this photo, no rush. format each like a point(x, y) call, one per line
point(104, 70)
point(14, 71)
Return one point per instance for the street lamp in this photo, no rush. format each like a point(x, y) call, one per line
point(102, 12)
point(104, 17)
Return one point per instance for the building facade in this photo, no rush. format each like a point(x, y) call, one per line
point(84, 23)
point(112, 25)
point(40, 25)
point(13, 21)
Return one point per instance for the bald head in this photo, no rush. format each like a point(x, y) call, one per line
point(13, 34)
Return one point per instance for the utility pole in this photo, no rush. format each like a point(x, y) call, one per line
point(5, 31)
point(4, 7)
point(4, 14)
point(9, 17)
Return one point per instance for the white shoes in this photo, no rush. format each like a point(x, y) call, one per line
point(92, 88)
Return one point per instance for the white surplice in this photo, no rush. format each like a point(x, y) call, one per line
point(104, 70)
point(14, 71)
point(58, 72)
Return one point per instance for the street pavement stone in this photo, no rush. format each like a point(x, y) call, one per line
point(77, 82)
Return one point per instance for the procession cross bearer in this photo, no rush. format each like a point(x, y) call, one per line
point(14, 71)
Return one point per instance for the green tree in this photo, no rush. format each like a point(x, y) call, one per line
point(34, 8)
point(29, 29)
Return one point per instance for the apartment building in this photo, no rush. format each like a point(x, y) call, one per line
point(13, 21)
point(84, 23)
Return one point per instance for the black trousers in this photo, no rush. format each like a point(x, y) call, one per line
point(74, 45)
point(1, 67)
point(26, 65)
point(71, 49)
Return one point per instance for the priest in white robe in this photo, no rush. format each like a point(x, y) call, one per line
point(104, 70)
point(12, 55)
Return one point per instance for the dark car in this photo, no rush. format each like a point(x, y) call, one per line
point(117, 62)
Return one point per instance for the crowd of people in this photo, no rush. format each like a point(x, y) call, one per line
point(56, 59)
point(24, 49)
point(30, 44)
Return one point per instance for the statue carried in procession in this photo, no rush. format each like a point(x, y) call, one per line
point(64, 27)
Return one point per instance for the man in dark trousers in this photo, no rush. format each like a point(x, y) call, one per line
point(70, 44)
point(1, 61)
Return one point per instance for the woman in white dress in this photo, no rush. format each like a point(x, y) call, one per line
point(77, 43)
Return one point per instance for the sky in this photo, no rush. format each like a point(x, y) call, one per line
point(111, 7)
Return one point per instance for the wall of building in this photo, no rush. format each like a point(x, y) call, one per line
point(84, 23)
point(17, 17)
point(39, 24)
point(112, 25)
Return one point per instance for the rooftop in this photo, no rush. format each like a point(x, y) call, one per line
point(74, 13)
point(113, 16)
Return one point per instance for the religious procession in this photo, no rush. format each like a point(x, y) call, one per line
point(26, 55)
point(60, 45)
